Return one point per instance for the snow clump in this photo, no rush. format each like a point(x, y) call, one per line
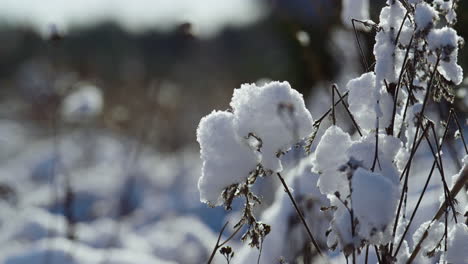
point(264, 123)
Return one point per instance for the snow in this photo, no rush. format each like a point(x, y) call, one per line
point(445, 40)
point(164, 222)
point(32, 224)
point(82, 104)
point(457, 244)
point(363, 150)
point(451, 16)
point(354, 9)
point(328, 157)
point(330, 152)
point(341, 227)
point(336, 148)
point(362, 98)
point(424, 16)
point(226, 159)
point(190, 239)
point(35, 227)
point(435, 233)
point(275, 113)
point(61, 250)
point(456, 176)
point(374, 201)
point(390, 19)
point(439, 38)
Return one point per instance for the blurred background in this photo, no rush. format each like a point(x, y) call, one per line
point(99, 104)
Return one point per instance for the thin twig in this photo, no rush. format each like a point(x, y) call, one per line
point(361, 52)
point(442, 173)
point(455, 117)
point(318, 121)
point(423, 191)
point(333, 107)
point(218, 245)
point(395, 99)
point(299, 213)
point(404, 189)
point(346, 107)
point(376, 151)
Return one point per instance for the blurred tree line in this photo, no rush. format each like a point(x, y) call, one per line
point(175, 75)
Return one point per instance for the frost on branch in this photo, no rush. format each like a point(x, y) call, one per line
point(226, 159)
point(275, 114)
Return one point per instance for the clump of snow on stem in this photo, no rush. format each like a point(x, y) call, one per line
point(363, 151)
point(274, 113)
point(266, 120)
point(424, 16)
point(444, 41)
point(446, 8)
point(346, 177)
point(367, 102)
point(226, 159)
point(390, 18)
point(328, 157)
point(84, 103)
point(374, 200)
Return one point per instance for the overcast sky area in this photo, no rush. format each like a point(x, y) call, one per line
point(207, 16)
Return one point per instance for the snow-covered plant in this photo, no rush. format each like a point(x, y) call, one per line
point(246, 142)
point(366, 176)
point(82, 104)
